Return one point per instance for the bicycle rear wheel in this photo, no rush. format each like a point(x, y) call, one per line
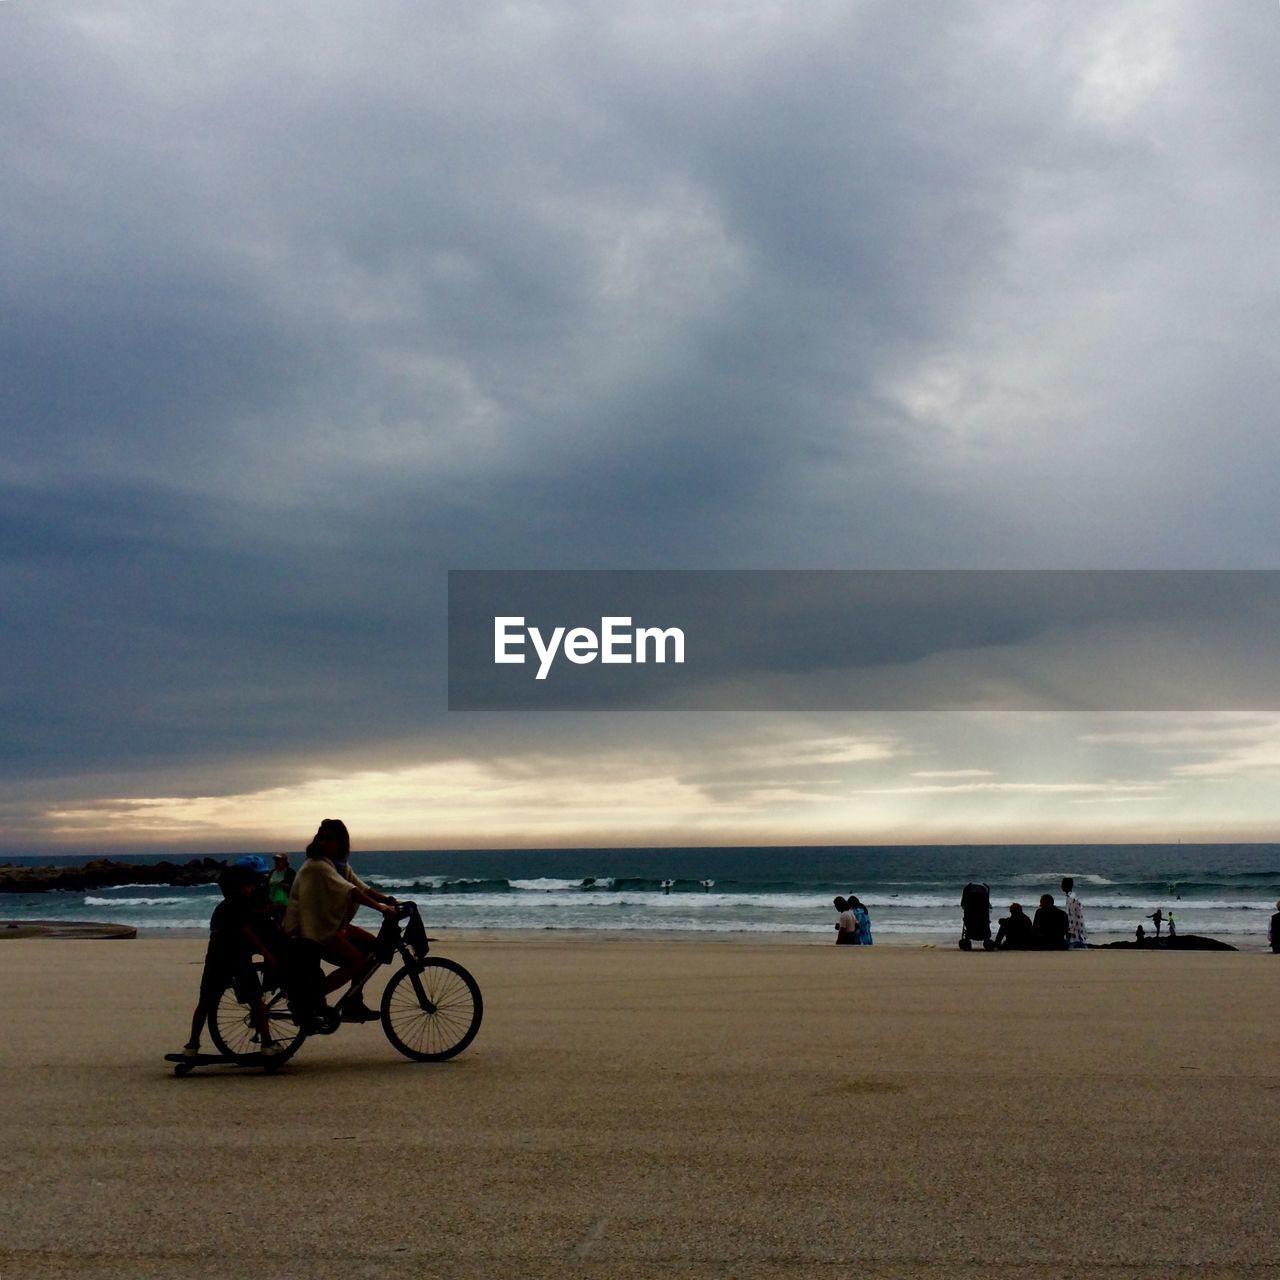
point(432, 1012)
point(233, 1030)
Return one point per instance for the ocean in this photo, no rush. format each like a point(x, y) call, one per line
point(912, 892)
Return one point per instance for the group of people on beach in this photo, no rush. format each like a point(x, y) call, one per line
point(1052, 928)
point(294, 921)
point(1160, 918)
point(853, 923)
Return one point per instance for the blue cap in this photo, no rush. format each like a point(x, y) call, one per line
point(254, 862)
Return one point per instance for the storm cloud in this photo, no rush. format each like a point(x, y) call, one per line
point(307, 304)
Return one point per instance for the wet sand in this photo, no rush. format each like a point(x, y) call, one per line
point(633, 1108)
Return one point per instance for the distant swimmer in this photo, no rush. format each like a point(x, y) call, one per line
point(666, 885)
point(706, 885)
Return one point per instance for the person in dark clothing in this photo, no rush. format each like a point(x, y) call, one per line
point(1016, 932)
point(237, 929)
point(1050, 925)
point(1275, 930)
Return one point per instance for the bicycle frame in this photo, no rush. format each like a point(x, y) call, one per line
point(409, 941)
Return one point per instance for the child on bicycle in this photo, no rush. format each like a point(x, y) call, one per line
point(236, 932)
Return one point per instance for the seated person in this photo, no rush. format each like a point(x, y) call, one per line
point(1016, 932)
point(324, 896)
point(1050, 925)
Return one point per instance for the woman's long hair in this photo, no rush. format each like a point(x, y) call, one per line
point(336, 829)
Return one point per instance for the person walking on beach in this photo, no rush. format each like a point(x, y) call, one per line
point(321, 903)
point(1050, 925)
point(862, 918)
point(1274, 935)
point(846, 924)
point(1077, 934)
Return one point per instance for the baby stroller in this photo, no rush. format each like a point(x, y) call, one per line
point(975, 906)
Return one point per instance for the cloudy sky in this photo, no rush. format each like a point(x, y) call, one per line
point(306, 304)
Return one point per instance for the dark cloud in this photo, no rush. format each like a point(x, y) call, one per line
point(307, 304)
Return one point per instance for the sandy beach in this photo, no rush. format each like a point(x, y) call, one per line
point(641, 1108)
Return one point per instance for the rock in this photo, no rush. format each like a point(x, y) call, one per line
point(101, 873)
point(64, 929)
point(1182, 942)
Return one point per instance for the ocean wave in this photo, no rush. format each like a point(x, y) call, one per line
point(424, 883)
point(440, 884)
point(137, 902)
point(549, 893)
point(547, 884)
point(185, 890)
point(1094, 889)
point(1182, 906)
point(1056, 878)
point(701, 884)
point(553, 884)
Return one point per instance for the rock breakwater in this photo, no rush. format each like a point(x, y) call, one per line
point(102, 873)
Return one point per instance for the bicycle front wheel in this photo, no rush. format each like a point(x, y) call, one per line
point(234, 1031)
point(432, 1012)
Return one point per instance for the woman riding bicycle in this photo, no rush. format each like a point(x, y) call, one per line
point(324, 896)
